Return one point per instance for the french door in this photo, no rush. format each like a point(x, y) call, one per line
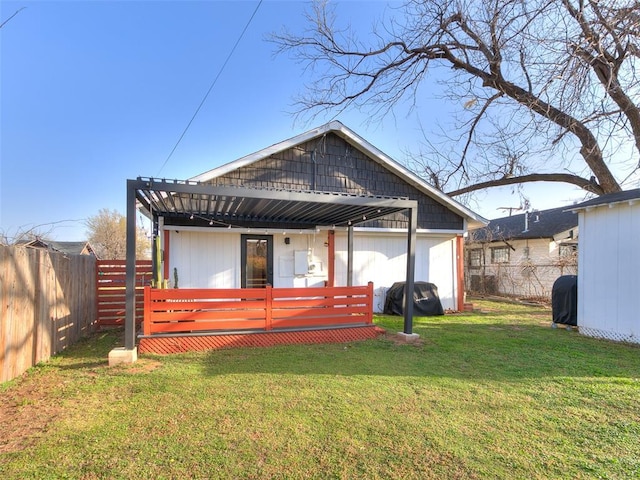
point(257, 261)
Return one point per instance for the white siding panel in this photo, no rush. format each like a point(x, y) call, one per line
point(212, 260)
point(440, 268)
point(628, 288)
point(600, 273)
point(381, 258)
point(205, 260)
point(283, 261)
point(584, 270)
point(608, 285)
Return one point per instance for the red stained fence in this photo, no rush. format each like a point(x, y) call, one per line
point(111, 286)
point(191, 310)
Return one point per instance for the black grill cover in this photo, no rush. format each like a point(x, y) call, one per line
point(564, 300)
point(426, 302)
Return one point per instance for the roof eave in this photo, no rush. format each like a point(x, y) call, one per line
point(578, 208)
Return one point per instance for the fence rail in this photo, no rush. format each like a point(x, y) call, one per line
point(192, 310)
point(47, 302)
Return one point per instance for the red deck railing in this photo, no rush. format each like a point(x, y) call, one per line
point(195, 310)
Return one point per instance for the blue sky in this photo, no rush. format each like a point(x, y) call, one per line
point(94, 93)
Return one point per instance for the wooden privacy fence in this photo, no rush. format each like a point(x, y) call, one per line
point(111, 290)
point(193, 310)
point(47, 300)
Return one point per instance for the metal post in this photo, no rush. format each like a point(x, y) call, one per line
point(460, 271)
point(350, 256)
point(130, 292)
point(411, 266)
point(155, 253)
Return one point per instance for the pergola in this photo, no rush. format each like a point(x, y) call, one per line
point(206, 205)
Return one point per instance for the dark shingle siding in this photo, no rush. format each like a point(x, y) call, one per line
point(340, 167)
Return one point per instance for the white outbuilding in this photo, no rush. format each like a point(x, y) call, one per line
point(609, 266)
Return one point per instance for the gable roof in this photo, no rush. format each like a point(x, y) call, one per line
point(539, 224)
point(609, 199)
point(473, 219)
point(72, 248)
point(69, 248)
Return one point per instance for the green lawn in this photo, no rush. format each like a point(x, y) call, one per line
point(492, 394)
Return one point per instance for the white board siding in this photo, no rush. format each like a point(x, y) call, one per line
point(284, 275)
point(608, 279)
point(204, 260)
point(212, 260)
point(381, 258)
point(209, 259)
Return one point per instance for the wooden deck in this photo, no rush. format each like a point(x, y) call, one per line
point(202, 319)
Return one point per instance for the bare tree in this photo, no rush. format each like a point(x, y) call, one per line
point(27, 233)
point(548, 89)
point(108, 236)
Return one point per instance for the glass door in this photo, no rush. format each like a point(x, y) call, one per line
point(257, 261)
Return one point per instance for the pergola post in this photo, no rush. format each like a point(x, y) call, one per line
point(408, 334)
point(460, 271)
point(350, 256)
point(129, 353)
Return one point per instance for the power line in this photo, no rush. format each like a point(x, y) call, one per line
point(17, 12)
point(211, 87)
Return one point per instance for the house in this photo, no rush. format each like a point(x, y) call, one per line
point(331, 158)
point(68, 248)
point(320, 211)
point(609, 266)
point(522, 255)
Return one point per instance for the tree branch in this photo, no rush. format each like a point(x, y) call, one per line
point(583, 183)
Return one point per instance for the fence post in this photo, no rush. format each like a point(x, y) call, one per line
point(146, 314)
point(369, 318)
point(268, 320)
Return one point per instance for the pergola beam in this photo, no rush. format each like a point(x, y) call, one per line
point(273, 194)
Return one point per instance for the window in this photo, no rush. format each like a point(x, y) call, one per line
point(475, 257)
point(500, 255)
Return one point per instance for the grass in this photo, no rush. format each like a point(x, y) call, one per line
point(490, 394)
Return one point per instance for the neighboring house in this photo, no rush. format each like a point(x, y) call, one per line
point(68, 248)
point(609, 266)
point(522, 255)
point(205, 252)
